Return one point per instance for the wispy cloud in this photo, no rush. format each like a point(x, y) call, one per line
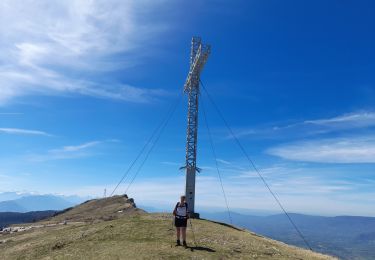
point(346, 122)
point(323, 198)
point(272, 171)
point(223, 161)
point(10, 113)
point(47, 44)
point(352, 120)
point(75, 148)
point(332, 150)
point(68, 152)
point(172, 163)
point(18, 131)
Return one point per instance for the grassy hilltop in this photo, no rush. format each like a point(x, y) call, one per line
point(113, 228)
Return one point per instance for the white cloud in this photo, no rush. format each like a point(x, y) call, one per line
point(298, 194)
point(172, 163)
point(18, 131)
point(305, 190)
point(10, 114)
point(268, 172)
point(352, 120)
point(333, 150)
point(53, 47)
point(68, 152)
point(223, 161)
point(345, 122)
point(75, 148)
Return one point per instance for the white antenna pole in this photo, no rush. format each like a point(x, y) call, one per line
point(198, 57)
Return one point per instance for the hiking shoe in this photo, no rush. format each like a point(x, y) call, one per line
point(178, 243)
point(184, 243)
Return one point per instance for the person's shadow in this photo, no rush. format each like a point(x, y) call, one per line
point(201, 248)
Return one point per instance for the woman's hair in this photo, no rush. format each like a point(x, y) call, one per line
point(183, 197)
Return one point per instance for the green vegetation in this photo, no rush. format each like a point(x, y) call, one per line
point(142, 236)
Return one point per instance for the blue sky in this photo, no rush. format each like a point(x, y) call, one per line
point(84, 83)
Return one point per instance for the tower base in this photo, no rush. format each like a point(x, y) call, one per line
point(194, 215)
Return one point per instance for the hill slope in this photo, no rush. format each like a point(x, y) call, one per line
point(134, 234)
point(99, 210)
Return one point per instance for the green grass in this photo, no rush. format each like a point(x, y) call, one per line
point(144, 236)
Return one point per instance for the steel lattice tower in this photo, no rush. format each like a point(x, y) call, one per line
point(198, 57)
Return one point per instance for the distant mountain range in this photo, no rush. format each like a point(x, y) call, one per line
point(8, 218)
point(25, 202)
point(347, 237)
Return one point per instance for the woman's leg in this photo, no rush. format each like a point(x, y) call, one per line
point(183, 231)
point(178, 232)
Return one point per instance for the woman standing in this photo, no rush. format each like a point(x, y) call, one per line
point(181, 214)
